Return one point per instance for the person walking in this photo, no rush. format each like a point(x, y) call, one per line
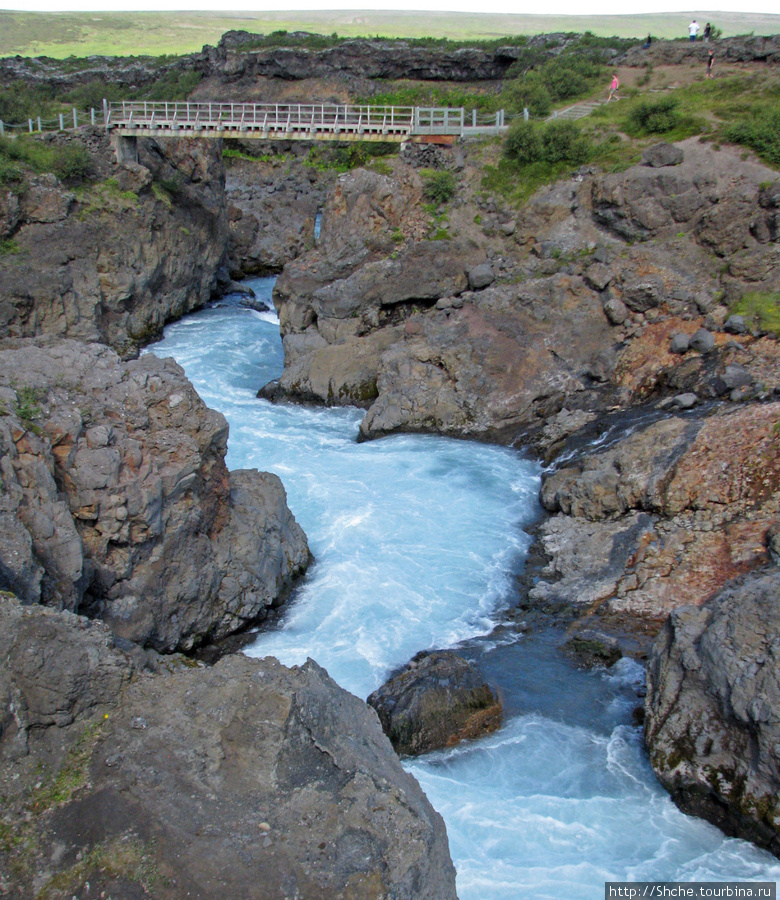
point(693, 30)
point(614, 88)
point(710, 62)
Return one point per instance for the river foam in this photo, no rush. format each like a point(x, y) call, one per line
point(418, 541)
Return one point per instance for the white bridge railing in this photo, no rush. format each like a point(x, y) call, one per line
point(301, 121)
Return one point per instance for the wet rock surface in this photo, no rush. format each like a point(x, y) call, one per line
point(437, 700)
point(712, 725)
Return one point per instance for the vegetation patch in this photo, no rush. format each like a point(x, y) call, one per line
point(128, 858)
point(72, 774)
point(439, 185)
point(761, 310)
point(69, 162)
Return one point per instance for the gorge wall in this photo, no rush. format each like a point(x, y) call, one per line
point(591, 328)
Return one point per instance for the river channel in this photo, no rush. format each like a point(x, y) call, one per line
point(418, 542)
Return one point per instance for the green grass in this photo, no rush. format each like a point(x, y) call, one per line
point(72, 774)
point(62, 35)
point(760, 310)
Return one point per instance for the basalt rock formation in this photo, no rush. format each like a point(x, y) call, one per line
point(437, 700)
point(712, 724)
point(278, 774)
point(117, 501)
point(568, 310)
point(116, 256)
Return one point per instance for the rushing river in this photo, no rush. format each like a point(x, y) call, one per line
point(417, 541)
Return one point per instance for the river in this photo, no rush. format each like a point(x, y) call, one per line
point(418, 541)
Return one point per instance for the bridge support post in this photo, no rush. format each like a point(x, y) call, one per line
point(125, 148)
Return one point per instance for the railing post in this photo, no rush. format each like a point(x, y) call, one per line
point(2, 129)
point(525, 114)
point(92, 115)
point(462, 118)
point(39, 124)
point(75, 118)
point(105, 113)
point(29, 121)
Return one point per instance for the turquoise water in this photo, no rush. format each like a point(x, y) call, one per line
point(418, 541)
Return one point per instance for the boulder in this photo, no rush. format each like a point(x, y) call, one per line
point(435, 701)
point(680, 343)
point(663, 154)
point(711, 712)
point(481, 276)
point(57, 667)
point(735, 325)
point(592, 648)
point(702, 340)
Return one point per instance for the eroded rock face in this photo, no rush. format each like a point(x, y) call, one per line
point(665, 517)
point(271, 215)
point(435, 701)
point(135, 247)
point(712, 724)
point(568, 316)
point(55, 668)
point(244, 780)
point(117, 501)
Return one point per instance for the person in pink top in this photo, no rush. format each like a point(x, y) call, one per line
point(614, 88)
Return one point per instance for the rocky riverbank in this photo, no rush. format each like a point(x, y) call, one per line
point(124, 540)
point(606, 300)
point(595, 328)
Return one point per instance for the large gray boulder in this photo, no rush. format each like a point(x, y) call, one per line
point(244, 780)
point(117, 501)
point(713, 708)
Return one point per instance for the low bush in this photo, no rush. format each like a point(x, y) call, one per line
point(438, 186)
point(71, 163)
point(654, 116)
point(558, 141)
point(523, 143)
point(563, 142)
point(759, 129)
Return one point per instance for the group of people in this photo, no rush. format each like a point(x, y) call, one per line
point(693, 30)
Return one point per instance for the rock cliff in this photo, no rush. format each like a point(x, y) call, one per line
point(712, 723)
point(128, 783)
point(573, 305)
point(114, 256)
point(117, 501)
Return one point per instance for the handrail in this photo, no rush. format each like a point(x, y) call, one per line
point(307, 118)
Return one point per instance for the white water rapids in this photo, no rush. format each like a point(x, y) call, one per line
point(418, 541)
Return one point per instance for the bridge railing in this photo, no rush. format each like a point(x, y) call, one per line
point(263, 117)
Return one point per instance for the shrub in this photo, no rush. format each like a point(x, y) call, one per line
point(563, 142)
point(654, 116)
point(71, 163)
point(528, 93)
point(439, 186)
point(759, 130)
point(523, 143)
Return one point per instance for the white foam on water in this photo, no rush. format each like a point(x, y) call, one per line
point(417, 542)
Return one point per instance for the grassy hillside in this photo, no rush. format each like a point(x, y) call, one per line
point(144, 33)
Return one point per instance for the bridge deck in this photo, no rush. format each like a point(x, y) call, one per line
point(296, 121)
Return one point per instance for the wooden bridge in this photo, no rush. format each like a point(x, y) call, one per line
point(296, 121)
